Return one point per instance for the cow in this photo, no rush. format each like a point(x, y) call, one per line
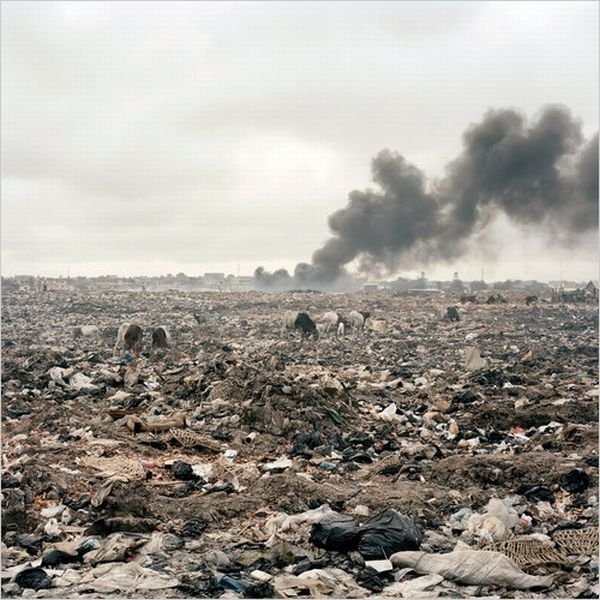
point(531, 300)
point(133, 339)
point(120, 338)
point(161, 338)
point(356, 320)
point(299, 320)
point(330, 319)
point(452, 314)
point(306, 325)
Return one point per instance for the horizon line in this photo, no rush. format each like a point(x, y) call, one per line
point(357, 278)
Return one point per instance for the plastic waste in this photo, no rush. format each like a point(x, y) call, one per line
point(80, 382)
point(389, 413)
point(496, 523)
point(193, 527)
point(204, 471)
point(127, 577)
point(52, 511)
point(575, 481)
point(536, 493)
point(473, 360)
point(318, 583)
point(116, 547)
point(106, 526)
point(472, 567)
point(54, 557)
point(382, 535)
point(182, 470)
point(87, 331)
point(35, 579)
point(327, 466)
point(381, 566)
point(261, 575)
point(229, 583)
point(386, 533)
point(126, 358)
point(277, 466)
point(18, 409)
point(52, 528)
point(335, 532)
point(408, 589)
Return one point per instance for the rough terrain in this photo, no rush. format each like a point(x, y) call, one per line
point(417, 413)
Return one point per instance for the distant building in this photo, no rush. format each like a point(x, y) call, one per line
point(214, 281)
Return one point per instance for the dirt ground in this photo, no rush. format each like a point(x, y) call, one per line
point(430, 417)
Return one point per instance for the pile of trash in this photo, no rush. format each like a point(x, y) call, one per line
point(420, 456)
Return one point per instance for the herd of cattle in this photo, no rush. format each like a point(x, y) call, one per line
point(130, 337)
point(355, 321)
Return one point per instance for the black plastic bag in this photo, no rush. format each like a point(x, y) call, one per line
point(386, 533)
point(575, 481)
point(35, 579)
point(335, 532)
point(536, 493)
point(381, 536)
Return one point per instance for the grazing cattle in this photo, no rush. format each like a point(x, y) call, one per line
point(133, 339)
point(330, 319)
point(356, 320)
point(288, 322)
point(468, 298)
point(306, 325)
point(452, 314)
point(120, 338)
point(294, 320)
point(161, 338)
point(531, 300)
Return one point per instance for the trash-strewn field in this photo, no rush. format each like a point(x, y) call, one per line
point(421, 457)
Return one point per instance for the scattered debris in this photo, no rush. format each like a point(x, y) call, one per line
point(430, 453)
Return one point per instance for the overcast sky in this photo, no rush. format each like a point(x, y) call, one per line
point(153, 138)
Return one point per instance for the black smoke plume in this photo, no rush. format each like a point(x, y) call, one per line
point(544, 175)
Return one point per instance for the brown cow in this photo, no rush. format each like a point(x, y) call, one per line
point(133, 339)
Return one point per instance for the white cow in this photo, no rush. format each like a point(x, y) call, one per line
point(330, 319)
point(288, 322)
point(356, 320)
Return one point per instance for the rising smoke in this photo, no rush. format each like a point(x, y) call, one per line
point(544, 175)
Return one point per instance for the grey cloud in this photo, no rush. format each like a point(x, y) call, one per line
point(127, 119)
